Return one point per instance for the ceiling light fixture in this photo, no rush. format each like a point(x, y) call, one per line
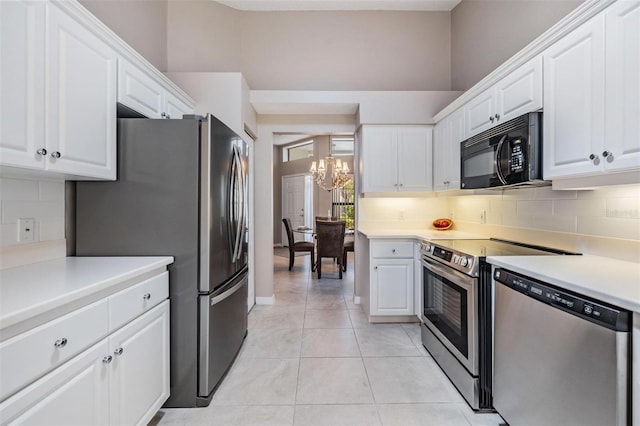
point(331, 173)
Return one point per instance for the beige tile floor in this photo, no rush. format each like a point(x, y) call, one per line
point(312, 358)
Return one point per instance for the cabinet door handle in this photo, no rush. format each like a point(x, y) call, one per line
point(491, 118)
point(107, 359)
point(393, 251)
point(41, 151)
point(594, 157)
point(147, 296)
point(375, 267)
point(606, 154)
point(163, 115)
point(61, 343)
point(497, 116)
point(56, 154)
point(118, 351)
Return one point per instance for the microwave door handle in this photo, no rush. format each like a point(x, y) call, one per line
point(496, 160)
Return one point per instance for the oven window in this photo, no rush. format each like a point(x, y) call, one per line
point(445, 306)
point(480, 164)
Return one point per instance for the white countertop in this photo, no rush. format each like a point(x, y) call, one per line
point(417, 233)
point(610, 280)
point(30, 290)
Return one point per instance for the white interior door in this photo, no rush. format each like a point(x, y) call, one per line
point(294, 203)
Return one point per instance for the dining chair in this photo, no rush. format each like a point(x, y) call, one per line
point(330, 235)
point(348, 247)
point(299, 246)
point(326, 218)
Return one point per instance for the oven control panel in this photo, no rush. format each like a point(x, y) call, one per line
point(456, 260)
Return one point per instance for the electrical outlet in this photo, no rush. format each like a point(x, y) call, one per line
point(483, 216)
point(26, 230)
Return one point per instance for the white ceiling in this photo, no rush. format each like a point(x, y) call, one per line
point(280, 5)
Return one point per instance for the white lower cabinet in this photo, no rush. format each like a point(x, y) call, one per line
point(76, 393)
point(392, 284)
point(140, 368)
point(123, 379)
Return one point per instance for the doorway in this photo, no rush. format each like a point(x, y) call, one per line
point(297, 203)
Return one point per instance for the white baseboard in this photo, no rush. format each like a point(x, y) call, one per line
point(356, 300)
point(266, 300)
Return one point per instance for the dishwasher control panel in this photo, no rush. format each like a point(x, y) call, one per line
point(608, 316)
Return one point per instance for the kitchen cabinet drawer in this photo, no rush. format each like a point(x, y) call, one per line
point(29, 355)
point(391, 249)
point(134, 301)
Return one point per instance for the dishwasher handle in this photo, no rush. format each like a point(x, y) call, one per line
point(597, 312)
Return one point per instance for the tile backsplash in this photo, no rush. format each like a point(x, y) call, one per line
point(40, 200)
point(612, 212)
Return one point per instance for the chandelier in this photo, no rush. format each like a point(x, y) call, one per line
point(331, 173)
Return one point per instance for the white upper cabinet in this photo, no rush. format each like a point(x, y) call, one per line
point(61, 74)
point(592, 87)
point(448, 134)
point(139, 91)
point(22, 40)
point(480, 112)
point(415, 158)
point(379, 159)
point(622, 101)
point(145, 94)
point(520, 92)
point(81, 99)
point(573, 101)
point(396, 158)
point(516, 94)
point(58, 110)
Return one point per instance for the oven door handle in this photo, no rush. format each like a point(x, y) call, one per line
point(450, 274)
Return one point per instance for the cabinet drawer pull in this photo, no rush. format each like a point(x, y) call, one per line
point(56, 154)
point(60, 343)
point(107, 359)
point(393, 251)
point(118, 351)
point(375, 267)
point(147, 296)
point(41, 151)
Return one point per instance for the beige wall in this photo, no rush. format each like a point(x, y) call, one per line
point(485, 33)
point(203, 35)
point(346, 50)
point(141, 23)
point(312, 50)
point(341, 50)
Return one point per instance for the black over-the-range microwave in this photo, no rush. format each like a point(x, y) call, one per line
point(507, 155)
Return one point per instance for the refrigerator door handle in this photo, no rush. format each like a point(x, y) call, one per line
point(227, 293)
point(239, 180)
point(231, 206)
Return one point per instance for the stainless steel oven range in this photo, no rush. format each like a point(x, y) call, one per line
point(457, 309)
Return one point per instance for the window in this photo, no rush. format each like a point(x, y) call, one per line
point(298, 151)
point(342, 204)
point(342, 145)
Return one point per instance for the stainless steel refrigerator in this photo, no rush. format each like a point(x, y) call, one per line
point(181, 190)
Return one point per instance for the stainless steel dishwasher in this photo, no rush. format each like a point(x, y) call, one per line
point(559, 358)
